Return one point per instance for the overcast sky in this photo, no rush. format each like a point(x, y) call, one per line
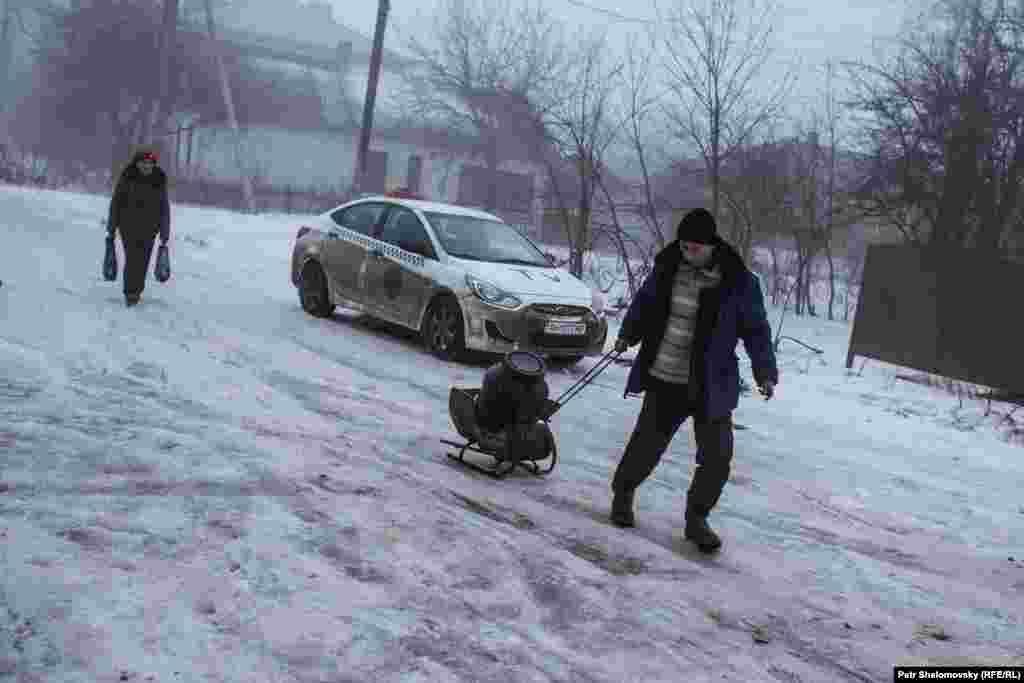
point(811, 30)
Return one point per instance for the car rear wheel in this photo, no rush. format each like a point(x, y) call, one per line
point(443, 332)
point(313, 291)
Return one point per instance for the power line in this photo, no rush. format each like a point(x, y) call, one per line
point(611, 13)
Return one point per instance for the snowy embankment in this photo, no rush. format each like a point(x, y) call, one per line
point(215, 487)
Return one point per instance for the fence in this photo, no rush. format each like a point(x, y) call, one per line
point(955, 314)
point(205, 192)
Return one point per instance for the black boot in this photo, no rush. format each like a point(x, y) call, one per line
point(131, 299)
point(622, 509)
point(698, 531)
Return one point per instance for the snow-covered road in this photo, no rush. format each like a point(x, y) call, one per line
point(214, 486)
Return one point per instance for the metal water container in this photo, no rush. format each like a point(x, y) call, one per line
point(514, 392)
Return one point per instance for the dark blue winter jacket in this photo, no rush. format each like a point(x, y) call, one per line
point(726, 314)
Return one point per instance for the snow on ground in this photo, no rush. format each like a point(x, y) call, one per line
point(214, 486)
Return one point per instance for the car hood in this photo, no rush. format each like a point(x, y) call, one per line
point(555, 284)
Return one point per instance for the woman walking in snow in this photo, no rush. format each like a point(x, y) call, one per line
point(139, 210)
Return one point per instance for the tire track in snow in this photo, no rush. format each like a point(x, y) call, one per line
point(374, 372)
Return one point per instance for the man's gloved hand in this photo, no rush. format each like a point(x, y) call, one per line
point(767, 390)
point(621, 345)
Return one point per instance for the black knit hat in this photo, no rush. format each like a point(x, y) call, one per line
point(698, 226)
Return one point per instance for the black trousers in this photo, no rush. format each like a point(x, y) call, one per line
point(664, 410)
point(137, 253)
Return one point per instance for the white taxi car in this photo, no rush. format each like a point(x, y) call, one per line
point(463, 278)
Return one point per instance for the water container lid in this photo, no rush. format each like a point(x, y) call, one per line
point(525, 363)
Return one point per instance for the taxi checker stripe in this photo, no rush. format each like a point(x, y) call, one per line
point(394, 252)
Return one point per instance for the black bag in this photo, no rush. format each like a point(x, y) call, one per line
point(110, 261)
point(163, 264)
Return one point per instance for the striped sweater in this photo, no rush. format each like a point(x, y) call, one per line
point(672, 361)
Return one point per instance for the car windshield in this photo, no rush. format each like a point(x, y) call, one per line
point(480, 239)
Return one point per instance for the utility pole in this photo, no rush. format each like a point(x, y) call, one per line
point(383, 7)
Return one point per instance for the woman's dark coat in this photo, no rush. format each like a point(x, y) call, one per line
point(140, 207)
point(728, 313)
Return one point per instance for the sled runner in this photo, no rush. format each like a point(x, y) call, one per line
point(514, 397)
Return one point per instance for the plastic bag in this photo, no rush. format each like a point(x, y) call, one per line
point(110, 261)
point(162, 271)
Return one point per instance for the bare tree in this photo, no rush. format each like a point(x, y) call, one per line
point(618, 236)
point(852, 274)
point(7, 20)
point(816, 188)
point(581, 122)
point(841, 179)
point(636, 197)
point(807, 162)
point(820, 184)
point(479, 55)
point(755, 188)
point(716, 50)
point(15, 20)
point(945, 126)
point(85, 106)
point(641, 110)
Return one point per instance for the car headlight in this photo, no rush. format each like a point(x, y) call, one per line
point(491, 294)
point(597, 302)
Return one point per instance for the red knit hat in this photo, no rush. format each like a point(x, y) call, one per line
point(149, 156)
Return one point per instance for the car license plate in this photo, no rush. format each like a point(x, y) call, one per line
point(565, 327)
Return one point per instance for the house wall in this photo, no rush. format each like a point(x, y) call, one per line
point(303, 159)
point(324, 160)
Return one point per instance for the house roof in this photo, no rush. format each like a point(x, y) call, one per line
point(305, 52)
point(305, 34)
point(279, 48)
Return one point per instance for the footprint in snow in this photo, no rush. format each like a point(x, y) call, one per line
point(145, 370)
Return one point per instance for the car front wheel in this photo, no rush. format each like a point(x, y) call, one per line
point(443, 332)
point(313, 291)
